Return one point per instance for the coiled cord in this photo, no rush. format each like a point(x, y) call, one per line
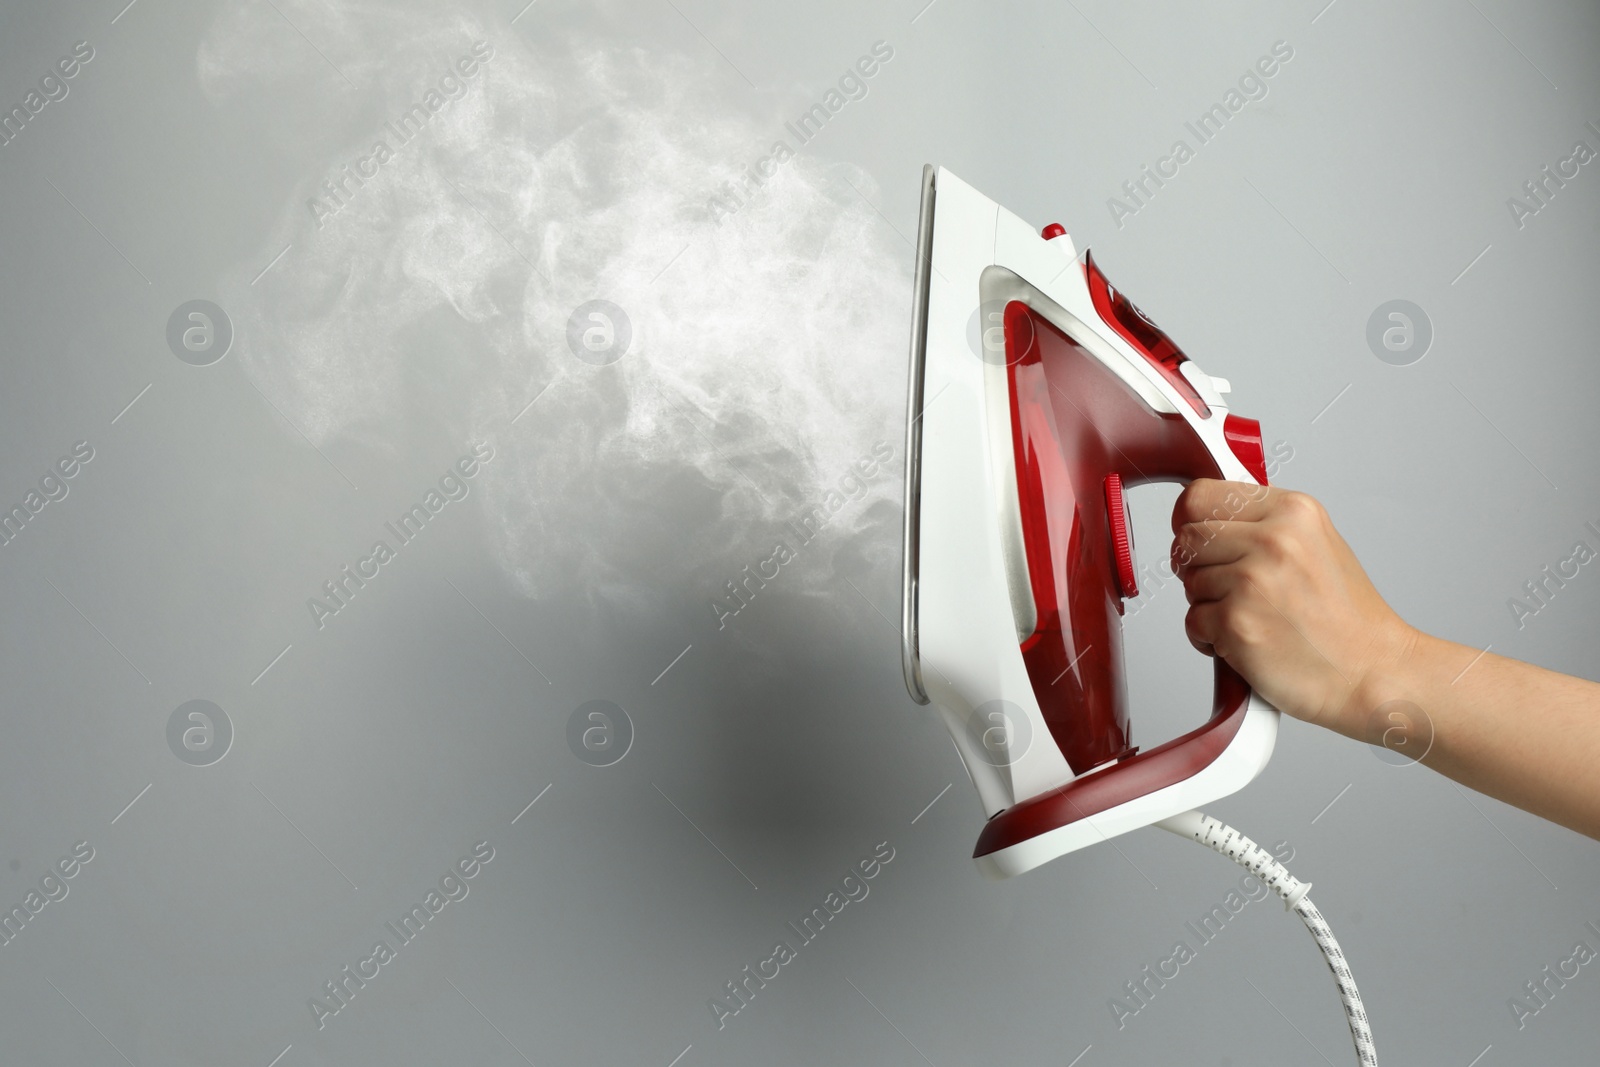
point(1258, 861)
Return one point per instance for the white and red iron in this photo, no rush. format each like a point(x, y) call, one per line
point(1038, 396)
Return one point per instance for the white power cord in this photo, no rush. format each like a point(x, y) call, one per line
point(1258, 861)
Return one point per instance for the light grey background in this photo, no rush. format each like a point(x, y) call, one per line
point(777, 751)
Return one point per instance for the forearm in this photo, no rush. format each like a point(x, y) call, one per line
point(1522, 734)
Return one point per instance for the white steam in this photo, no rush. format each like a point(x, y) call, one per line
point(767, 349)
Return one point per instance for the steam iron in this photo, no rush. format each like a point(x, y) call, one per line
point(1039, 396)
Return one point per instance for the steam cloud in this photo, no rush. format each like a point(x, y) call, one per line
point(766, 350)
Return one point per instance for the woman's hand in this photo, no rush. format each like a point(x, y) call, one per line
point(1275, 591)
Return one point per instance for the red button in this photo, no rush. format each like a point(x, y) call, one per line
point(1054, 230)
point(1244, 437)
point(1121, 536)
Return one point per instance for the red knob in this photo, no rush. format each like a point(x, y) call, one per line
point(1054, 230)
point(1121, 536)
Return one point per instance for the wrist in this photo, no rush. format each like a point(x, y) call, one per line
point(1386, 700)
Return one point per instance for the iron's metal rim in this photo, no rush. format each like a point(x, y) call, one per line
point(910, 656)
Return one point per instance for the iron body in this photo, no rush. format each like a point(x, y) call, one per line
point(1038, 395)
